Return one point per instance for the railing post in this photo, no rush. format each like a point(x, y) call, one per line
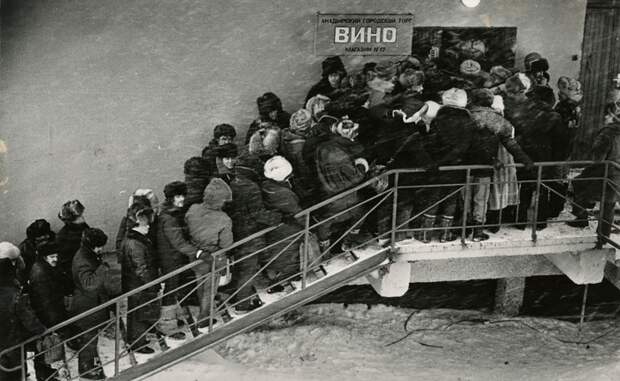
point(22, 361)
point(536, 202)
point(601, 212)
point(465, 206)
point(304, 259)
point(117, 337)
point(212, 296)
point(394, 211)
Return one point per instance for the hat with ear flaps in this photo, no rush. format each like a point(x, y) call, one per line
point(267, 103)
point(331, 65)
point(224, 130)
point(71, 210)
point(39, 228)
point(46, 249)
point(94, 237)
point(175, 188)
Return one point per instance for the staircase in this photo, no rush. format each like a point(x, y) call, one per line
point(384, 262)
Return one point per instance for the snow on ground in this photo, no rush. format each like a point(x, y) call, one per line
point(329, 342)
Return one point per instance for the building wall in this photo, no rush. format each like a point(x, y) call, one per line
point(99, 98)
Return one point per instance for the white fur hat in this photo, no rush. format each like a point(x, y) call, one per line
point(278, 168)
point(454, 97)
point(8, 250)
point(498, 104)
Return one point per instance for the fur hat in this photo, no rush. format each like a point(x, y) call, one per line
point(454, 97)
point(482, 97)
point(47, 248)
point(139, 210)
point(470, 67)
point(39, 228)
point(331, 65)
point(71, 210)
point(216, 193)
point(499, 74)
point(539, 65)
point(317, 100)
point(301, 120)
point(267, 103)
point(227, 150)
point(278, 168)
point(250, 162)
point(93, 237)
point(175, 188)
point(146, 193)
point(265, 142)
point(224, 130)
point(8, 250)
point(197, 166)
point(529, 58)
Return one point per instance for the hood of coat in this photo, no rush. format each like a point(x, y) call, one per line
point(216, 194)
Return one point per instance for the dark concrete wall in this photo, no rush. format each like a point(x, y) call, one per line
point(99, 98)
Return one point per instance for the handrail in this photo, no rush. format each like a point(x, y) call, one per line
point(263, 232)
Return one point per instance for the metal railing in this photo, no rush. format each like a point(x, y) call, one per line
point(389, 214)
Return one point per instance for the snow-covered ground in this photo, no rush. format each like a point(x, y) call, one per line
point(328, 342)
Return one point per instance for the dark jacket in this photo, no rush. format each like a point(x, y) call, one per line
point(89, 275)
point(209, 153)
point(28, 252)
point(564, 141)
point(174, 247)
point(282, 120)
point(68, 239)
point(46, 293)
point(124, 228)
point(304, 181)
point(492, 130)
point(337, 171)
point(19, 321)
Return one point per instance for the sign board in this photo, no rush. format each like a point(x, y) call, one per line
point(363, 34)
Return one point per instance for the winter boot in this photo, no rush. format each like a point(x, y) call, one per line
point(479, 235)
point(446, 234)
point(492, 219)
point(425, 235)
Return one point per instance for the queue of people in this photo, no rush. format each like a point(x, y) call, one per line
point(352, 126)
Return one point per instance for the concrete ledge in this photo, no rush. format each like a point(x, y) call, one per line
point(583, 267)
point(391, 280)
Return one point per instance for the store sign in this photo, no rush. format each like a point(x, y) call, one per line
point(363, 34)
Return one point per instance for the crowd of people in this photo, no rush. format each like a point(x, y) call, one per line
point(353, 126)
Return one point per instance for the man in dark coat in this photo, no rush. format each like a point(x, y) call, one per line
point(19, 321)
point(270, 113)
point(223, 134)
point(47, 298)
point(175, 250)
point(89, 275)
point(197, 175)
point(249, 216)
point(333, 72)
point(447, 143)
point(68, 239)
point(137, 269)
point(37, 233)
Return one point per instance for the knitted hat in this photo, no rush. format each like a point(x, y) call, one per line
point(197, 166)
point(93, 237)
point(175, 188)
point(227, 150)
point(71, 210)
point(224, 130)
point(278, 168)
point(470, 67)
point(47, 248)
point(482, 97)
point(250, 162)
point(331, 65)
point(216, 193)
point(454, 97)
point(8, 250)
point(529, 58)
point(267, 103)
point(301, 120)
point(39, 228)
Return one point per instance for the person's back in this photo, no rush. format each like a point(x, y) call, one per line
point(46, 294)
point(209, 227)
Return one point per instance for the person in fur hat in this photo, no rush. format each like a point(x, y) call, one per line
point(570, 97)
point(90, 273)
point(148, 198)
point(69, 238)
point(447, 143)
point(198, 172)
point(225, 160)
point(332, 73)
point(210, 230)
point(249, 215)
point(270, 113)
point(223, 135)
point(291, 147)
point(37, 233)
point(19, 321)
point(175, 250)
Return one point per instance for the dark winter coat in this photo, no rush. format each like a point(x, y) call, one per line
point(196, 178)
point(89, 275)
point(304, 181)
point(335, 164)
point(138, 268)
point(282, 120)
point(46, 293)
point(68, 239)
point(28, 252)
point(279, 197)
point(124, 228)
point(174, 247)
point(492, 130)
point(19, 321)
point(209, 153)
point(564, 141)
